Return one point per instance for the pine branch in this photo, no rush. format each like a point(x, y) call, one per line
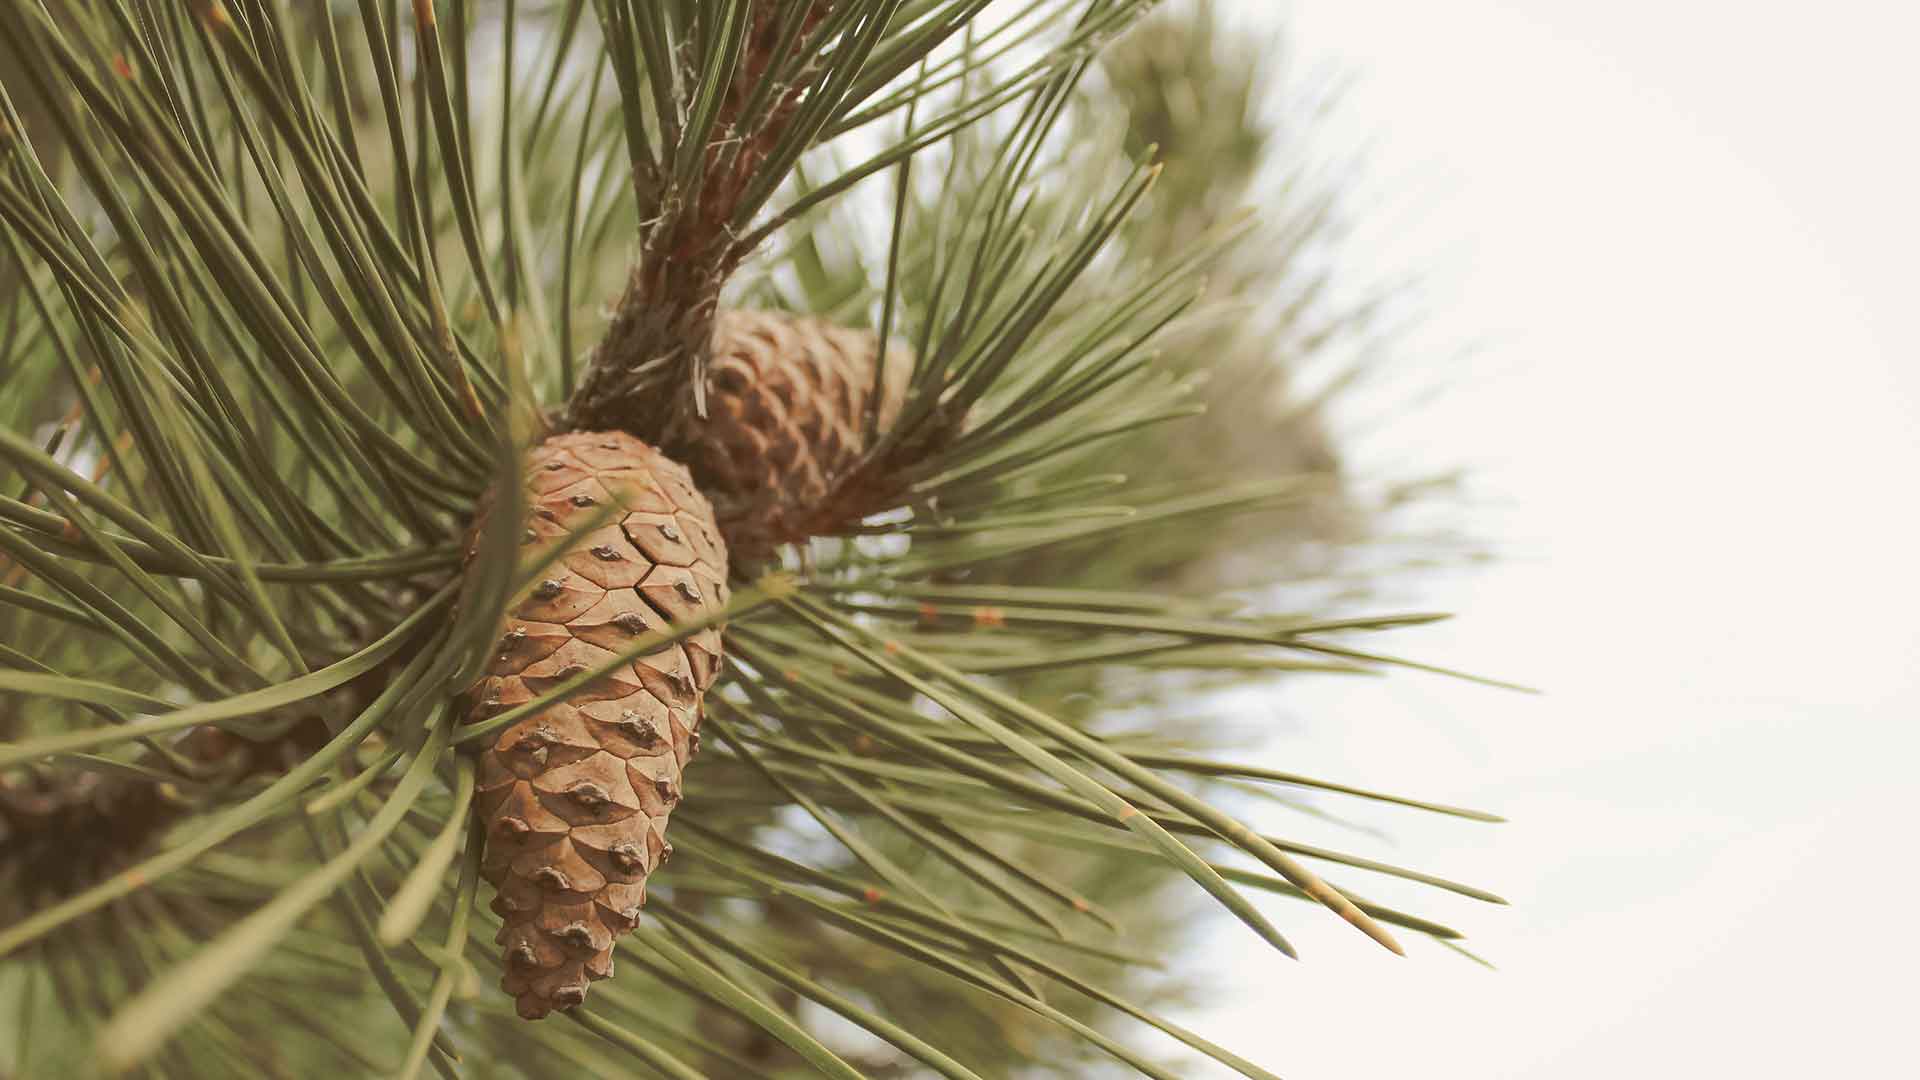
point(759, 59)
point(287, 307)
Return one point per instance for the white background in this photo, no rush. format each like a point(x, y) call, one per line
point(1682, 238)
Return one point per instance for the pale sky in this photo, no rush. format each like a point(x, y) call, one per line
point(1682, 237)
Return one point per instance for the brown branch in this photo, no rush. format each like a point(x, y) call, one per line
point(651, 365)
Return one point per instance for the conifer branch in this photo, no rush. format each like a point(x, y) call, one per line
point(326, 672)
point(652, 363)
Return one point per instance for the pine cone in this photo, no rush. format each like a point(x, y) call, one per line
point(65, 831)
point(61, 832)
point(575, 797)
point(781, 448)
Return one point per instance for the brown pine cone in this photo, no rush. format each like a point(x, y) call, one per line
point(788, 405)
point(61, 832)
point(575, 797)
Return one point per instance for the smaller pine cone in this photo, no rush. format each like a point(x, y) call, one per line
point(788, 405)
point(575, 797)
point(63, 832)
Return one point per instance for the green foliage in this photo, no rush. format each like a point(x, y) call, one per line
point(293, 290)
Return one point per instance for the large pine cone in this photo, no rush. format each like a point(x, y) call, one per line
point(788, 405)
point(575, 797)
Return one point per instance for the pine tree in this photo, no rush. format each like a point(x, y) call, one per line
point(364, 588)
